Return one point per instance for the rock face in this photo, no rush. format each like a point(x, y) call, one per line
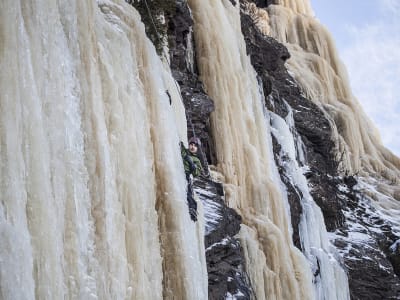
point(183, 65)
point(226, 275)
point(373, 263)
point(225, 262)
point(369, 248)
point(268, 58)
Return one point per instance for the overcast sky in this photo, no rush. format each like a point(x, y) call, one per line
point(367, 35)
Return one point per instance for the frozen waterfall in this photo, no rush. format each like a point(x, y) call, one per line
point(92, 182)
point(92, 185)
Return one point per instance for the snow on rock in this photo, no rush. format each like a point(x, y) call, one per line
point(225, 261)
point(369, 236)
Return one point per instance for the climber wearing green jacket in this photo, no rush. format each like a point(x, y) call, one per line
point(192, 167)
point(191, 162)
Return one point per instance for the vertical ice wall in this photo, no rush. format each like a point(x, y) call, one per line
point(330, 280)
point(317, 68)
point(276, 268)
point(91, 180)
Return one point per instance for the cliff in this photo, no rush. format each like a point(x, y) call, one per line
point(298, 200)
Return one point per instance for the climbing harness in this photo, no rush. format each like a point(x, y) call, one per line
point(189, 170)
point(192, 204)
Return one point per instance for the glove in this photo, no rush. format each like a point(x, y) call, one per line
point(192, 166)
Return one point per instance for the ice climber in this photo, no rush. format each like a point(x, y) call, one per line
point(192, 167)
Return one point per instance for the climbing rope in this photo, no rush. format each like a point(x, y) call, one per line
point(190, 119)
point(167, 59)
point(178, 89)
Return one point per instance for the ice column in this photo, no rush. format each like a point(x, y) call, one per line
point(330, 280)
point(276, 268)
point(317, 68)
point(92, 182)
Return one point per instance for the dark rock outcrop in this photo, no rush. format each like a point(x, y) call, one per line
point(370, 249)
point(265, 3)
point(184, 69)
point(372, 264)
point(268, 58)
point(293, 197)
point(225, 262)
point(367, 244)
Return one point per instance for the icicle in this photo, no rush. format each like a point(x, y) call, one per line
point(244, 153)
point(330, 280)
point(93, 189)
point(315, 65)
point(190, 51)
